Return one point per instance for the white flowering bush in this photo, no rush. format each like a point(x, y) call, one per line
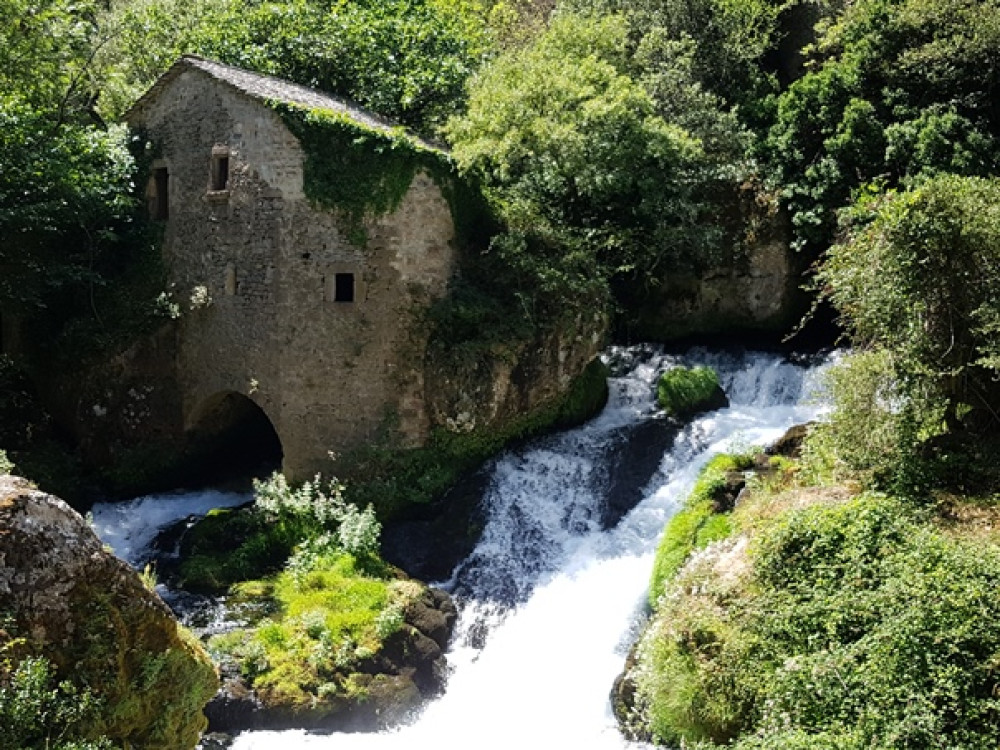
point(319, 504)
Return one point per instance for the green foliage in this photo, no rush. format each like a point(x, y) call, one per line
point(927, 314)
point(45, 50)
point(64, 198)
point(695, 525)
point(332, 612)
point(407, 60)
point(6, 465)
point(899, 89)
point(728, 42)
point(861, 626)
point(36, 712)
point(320, 505)
point(875, 430)
point(684, 391)
point(570, 148)
point(129, 674)
point(360, 170)
point(229, 546)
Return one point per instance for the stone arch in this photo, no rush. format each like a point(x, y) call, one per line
point(233, 436)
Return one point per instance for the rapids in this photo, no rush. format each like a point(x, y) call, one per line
point(551, 600)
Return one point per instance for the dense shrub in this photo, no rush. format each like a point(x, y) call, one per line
point(860, 626)
point(915, 279)
point(898, 89)
point(38, 713)
point(237, 545)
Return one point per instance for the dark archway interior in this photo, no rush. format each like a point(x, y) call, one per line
point(231, 438)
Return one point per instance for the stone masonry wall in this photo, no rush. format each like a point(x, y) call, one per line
point(253, 269)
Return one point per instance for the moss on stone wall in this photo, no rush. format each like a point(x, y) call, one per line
point(392, 479)
point(359, 170)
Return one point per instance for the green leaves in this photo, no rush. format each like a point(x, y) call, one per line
point(569, 148)
point(857, 625)
point(898, 89)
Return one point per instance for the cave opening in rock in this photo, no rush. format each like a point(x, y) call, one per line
point(232, 437)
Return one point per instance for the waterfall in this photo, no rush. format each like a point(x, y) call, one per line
point(553, 596)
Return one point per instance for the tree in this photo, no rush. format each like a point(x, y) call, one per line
point(898, 89)
point(918, 276)
point(569, 147)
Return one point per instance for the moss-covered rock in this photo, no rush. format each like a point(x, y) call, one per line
point(685, 392)
point(67, 599)
point(342, 648)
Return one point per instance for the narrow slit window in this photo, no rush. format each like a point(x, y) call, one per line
point(159, 201)
point(220, 171)
point(343, 287)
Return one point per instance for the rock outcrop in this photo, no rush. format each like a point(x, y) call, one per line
point(409, 669)
point(754, 290)
point(65, 598)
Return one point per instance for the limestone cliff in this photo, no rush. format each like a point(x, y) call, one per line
point(66, 598)
point(753, 288)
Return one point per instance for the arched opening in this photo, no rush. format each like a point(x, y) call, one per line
point(232, 437)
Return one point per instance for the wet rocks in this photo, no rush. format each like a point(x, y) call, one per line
point(89, 613)
point(409, 669)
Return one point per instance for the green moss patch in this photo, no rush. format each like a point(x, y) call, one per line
point(332, 613)
point(697, 524)
point(231, 545)
point(683, 392)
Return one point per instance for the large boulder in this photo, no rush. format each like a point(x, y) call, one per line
point(64, 597)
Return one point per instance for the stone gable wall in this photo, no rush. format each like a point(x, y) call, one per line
point(253, 267)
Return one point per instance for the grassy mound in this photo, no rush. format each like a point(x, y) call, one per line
point(825, 621)
point(331, 611)
point(697, 524)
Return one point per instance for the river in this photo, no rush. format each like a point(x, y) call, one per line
point(550, 600)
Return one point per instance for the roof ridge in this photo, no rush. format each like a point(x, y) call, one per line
point(266, 87)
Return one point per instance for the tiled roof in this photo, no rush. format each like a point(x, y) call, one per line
point(264, 88)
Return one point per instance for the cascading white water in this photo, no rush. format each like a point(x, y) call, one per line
point(550, 601)
point(130, 527)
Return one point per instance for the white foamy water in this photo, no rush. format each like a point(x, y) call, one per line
point(557, 597)
point(130, 527)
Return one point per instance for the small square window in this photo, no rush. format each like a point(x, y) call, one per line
point(343, 287)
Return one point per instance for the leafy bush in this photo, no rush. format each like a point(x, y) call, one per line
point(37, 713)
point(898, 90)
point(228, 546)
point(861, 626)
point(321, 506)
point(926, 320)
point(405, 60)
point(684, 391)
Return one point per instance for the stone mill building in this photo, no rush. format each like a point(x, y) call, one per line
point(285, 305)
